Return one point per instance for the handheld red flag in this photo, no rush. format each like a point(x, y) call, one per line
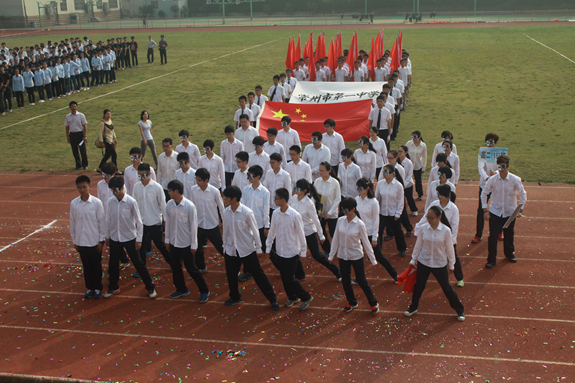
point(371, 60)
point(394, 56)
point(331, 58)
point(297, 49)
point(310, 55)
point(352, 55)
point(407, 279)
point(339, 49)
point(289, 56)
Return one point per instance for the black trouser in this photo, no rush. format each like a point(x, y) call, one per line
point(408, 193)
point(377, 171)
point(442, 276)
point(40, 89)
point(495, 226)
point(359, 269)
point(215, 237)
point(395, 225)
point(150, 54)
point(335, 169)
point(180, 255)
point(86, 75)
point(110, 152)
point(383, 133)
point(62, 86)
point(127, 59)
point(287, 268)
point(163, 56)
point(252, 266)
point(19, 98)
point(229, 178)
point(75, 139)
point(134, 58)
point(418, 183)
point(395, 126)
point(56, 89)
point(312, 241)
point(116, 249)
point(331, 223)
point(405, 218)
point(457, 271)
point(48, 88)
point(95, 77)
point(2, 106)
point(120, 60)
point(154, 233)
point(106, 76)
point(31, 96)
point(382, 259)
point(92, 264)
point(480, 215)
point(112, 74)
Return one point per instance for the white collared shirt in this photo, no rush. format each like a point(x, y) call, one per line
point(241, 236)
point(287, 89)
point(263, 160)
point(348, 177)
point(131, 178)
point(380, 151)
point(151, 202)
point(347, 241)
point(255, 109)
point(181, 224)
point(408, 167)
point(260, 101)
point(299, 171)
point(246, 137)
point(434, 176)
point(432, 192)
point(390, 197)
point(306, 208)
point(368, 209)
point(192, 151)
point(451, 212)
point(314, 157)
point(418, 154)
point(87, 221)
point(336, 145)
point(434, 248)
point(439, 149)
point(330, 193)
point(367, 162)
point(104, 193)
point(215, 166)
point(276, 92)
point(341, 74)
point(454, 161)
point(275, 181)
point(379, 74)
point(167, 167)
point(239, 112)
point(207, 203)
point(288, 139)
point(287, 230)
point(258, 200)
point(503, 194)
point(188, 179)
point(385, 118)
point(485, 168)
point(399, 168)
point(276, 148)
point(123, 221)
point(241, 179)
point(228, 153)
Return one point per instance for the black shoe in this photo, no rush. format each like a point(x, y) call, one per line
point(512, 259)
point(489, 265)
point(409, 233)
point(244, 277)
point(77, 168)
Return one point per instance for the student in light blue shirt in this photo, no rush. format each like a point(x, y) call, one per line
point(112, 69)
point(39, 81)
point(55, 79)
point(67, 74)
point(96, 69)
point(29, 85)
point(107, 59)
point(85, 71)
point(18, 88)
point(75, 73)
point(47, 81)
point(61, 70)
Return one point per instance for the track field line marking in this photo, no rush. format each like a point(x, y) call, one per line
point(29, 235)
point(44, 378)
point(291, 346)
point(140, 83)
point(540, 43)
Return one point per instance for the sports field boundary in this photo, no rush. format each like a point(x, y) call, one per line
point(559, 53)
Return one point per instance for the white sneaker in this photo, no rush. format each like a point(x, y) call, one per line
point(409, 313)
point(414, 214)
point(152, 294)
point(41, 101)
point(32, 104)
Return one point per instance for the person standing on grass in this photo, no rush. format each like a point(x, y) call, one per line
point(85, 71)
point(242, 246)
point(167, 165)
point(287, 231)
point(107, 136)
point(486, 171)
point(124, 232)
point(76, 131)
point(433, 254)
point(145, 127)
point(18, 88)
point(503, 188)
point(151, 45)
point(189, 147)
point(131, 177)
point(88, 232)
point(134, 51)
point(276, 92)
point(163, 45)
point(28, 76)
point(228, 150)
point(418, 154)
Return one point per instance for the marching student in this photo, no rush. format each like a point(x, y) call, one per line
point(291, 81)
point(440, 160)
point(259, 157)
point(444, 174)
point(350, 234)
point(286, 87)
point(88, 232)
point(277, 178)
point(287, 231)
point(131, 172)
point(486, 170)
point(145, 127)
point(445, 136)
point(228, 150)
point(287, 136)
point(243, 111)
point(405, 159)
point(433, 254)
point(316, 153)
point(503, 188)
point(272, 146)
point(185, 174)
point(453, 159)
point(214, 165)
point(379, 71)
point(152, 205)
point(297, 168)
point(210, 208)
point(365, 158)
point(260, 99)
point(418, 155)
point(393, 159)
point(389, 194)
point(124, 232)
point(334, 142)
point(307, 208)
point(298, 73)
point(276, 92)
point(349, 174)
point(452, 214)
point(182, 241)
point(241, 175)
point(246, 133)
point(253, 106)
point(189, 147)
point(380, 118)
point(380, 148)
point(241, 247)
point(329, 190)
point(405, 76)
point(167, 165)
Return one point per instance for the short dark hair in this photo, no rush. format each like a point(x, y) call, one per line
point(295, 148)
point(229, 129)
point(447, 133)
point(116, 182)
point(329, 122)
point(446, 170)
point(441, 157)
point(258, 140)
point(203, 174)
point(244, 116)
point(286, 119)
point(242, 97)
point(233, 192)
point(447, 142)
point(256, 170)
point(276, 77)
point(282, 193)
point(258, 87)
point(251, 94)
point(380, 97)
point(503, 159)
point(71, 102)
point(135, 150)
point(244, 156)
point(492, 136)
point(444, 190)
point(184, 132)
point(348, 203)
point(82, 179)
point(347, 152)
point(109, 168)
point(175, 185)
point(209, 143)
point(168, 140)
point(183, 156)
point(317, 134)
point(144, 167)
point(276, 157)
point(272, 131)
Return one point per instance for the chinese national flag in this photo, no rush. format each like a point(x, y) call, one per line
point(351, 118)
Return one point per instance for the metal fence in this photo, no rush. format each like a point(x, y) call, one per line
point(217, 20)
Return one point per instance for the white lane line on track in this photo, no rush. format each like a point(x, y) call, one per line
point(540, 43)
point(28, 236)
point(291, 346)
point(139, 83)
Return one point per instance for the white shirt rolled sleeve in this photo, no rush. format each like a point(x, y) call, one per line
point(503, 194)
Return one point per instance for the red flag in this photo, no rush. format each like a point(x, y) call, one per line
point(309, 54)
point(351, 117)
point(331, 58)
point(339, 49)
point(372, 59)
point(352, 55)
point(317, 53)
point(289, 57)
point(400, 46)
point(297, 50)
point(381, 49)
point(323, 53)
point(394, 56)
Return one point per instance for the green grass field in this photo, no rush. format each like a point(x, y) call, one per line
point(468, 80)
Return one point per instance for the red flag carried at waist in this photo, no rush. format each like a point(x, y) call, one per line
point(351, 118)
